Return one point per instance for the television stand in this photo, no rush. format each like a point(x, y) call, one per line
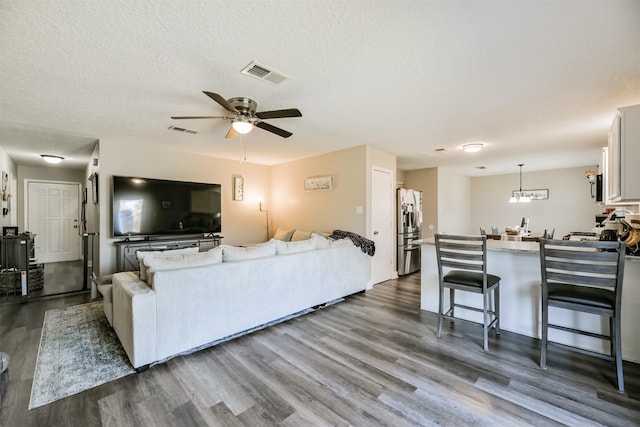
point(126, 259)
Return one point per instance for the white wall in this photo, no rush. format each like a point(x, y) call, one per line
point(569, 207)
point(241, 220)
point(292, 207)
point(454, 202)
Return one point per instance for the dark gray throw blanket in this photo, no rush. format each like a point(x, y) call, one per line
point(367, 246)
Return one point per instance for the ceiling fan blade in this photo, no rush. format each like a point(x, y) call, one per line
point(199, 117)
point(279, 114)
point(220, 100)
point(232, 133)
point(270, 128)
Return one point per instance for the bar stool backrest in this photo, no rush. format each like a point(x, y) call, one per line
point(588, 263)
point(461, 253)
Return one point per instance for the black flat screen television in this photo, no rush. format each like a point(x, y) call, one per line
point(155, 207)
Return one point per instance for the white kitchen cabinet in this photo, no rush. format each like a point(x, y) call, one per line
point(623, 157)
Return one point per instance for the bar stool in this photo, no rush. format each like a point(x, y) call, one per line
point(464, 258)
point(587, 277)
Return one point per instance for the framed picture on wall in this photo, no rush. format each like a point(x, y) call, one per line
point(9, 231)
point(94, 187)
point(318, 183)
point(238, 187)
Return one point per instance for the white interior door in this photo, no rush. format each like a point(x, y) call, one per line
point(53, 215)
point(382, 207)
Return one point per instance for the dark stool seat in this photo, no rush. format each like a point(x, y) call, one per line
point(582, 296)
point(462, 266)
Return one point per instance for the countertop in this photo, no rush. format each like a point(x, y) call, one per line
point(512, 246)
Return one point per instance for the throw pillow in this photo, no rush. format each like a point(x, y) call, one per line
point(144, 254)
point(237, 253)
point(172, 262)
point(300, 235)
point(295, 247)
point(321, 241)
point(284, 235)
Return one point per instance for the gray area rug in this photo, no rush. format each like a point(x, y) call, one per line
point(78, 351)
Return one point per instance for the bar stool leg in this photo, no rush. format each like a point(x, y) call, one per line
point(440, 310)
point(452, 301)
point(615, 337)
point(545, 330)
point(485, 312)
point(496, 297)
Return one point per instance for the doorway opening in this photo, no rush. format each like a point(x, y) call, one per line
point(50, 256)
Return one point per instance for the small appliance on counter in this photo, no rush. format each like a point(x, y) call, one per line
point(630, 234)
point(620, 225)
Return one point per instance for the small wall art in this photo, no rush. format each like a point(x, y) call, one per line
point(238, 187)
point(318, 183)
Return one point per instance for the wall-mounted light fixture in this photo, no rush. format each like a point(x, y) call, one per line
point(50, 158)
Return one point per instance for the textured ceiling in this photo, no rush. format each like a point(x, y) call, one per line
point(536, 81)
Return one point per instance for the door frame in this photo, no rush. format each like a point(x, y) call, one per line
point(25, 195)
point(391, 227)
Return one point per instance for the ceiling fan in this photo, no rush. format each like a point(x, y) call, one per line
point(244, 117)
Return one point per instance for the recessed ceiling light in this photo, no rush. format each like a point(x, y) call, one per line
point(50, 158)
point(473, 147)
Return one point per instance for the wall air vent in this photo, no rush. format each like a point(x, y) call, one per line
point(178, 129)
point(264, 73)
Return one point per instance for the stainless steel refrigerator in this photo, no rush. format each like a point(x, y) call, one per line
point(409, 229)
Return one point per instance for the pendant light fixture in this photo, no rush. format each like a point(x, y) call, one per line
point(519, 197)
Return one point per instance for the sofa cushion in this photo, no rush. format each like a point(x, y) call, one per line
point(321, 241)
point(284, 235)
point(340, 243)
point(237, 253)
point(295, 247)
point(144, 254)
point(170, 262)
point(300, 235)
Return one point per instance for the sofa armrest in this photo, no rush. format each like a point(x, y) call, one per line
point(134, 318)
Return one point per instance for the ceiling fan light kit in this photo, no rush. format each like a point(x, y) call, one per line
point(244, 116)
point(50, 158)
point(242, 126)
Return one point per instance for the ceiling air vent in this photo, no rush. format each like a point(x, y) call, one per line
point(177, 129)
point(264, 73)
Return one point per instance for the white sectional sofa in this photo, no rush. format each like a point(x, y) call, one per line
point(179, 308)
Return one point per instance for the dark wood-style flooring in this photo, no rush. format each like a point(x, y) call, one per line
point(59, 278)
point(371, 360)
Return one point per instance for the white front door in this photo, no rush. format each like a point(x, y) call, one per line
point(382, 207)
point(53, 216)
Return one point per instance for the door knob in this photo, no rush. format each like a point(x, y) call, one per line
point(375, 232)
point(75, 226)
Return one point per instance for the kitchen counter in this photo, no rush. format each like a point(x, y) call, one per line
point(514, 246)
point(518, 264)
